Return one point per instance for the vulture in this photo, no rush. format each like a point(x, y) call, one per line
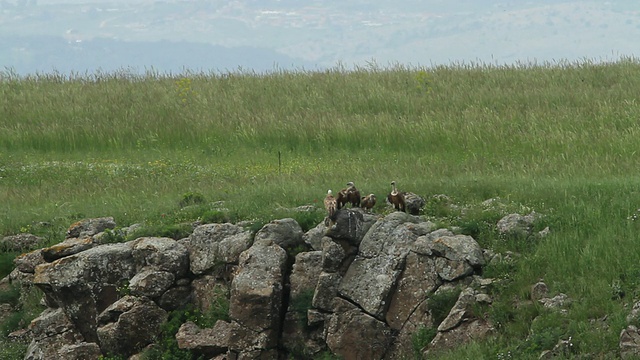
point(368, 202)
point(396, 198)
point(348, 195)
point(331, 205)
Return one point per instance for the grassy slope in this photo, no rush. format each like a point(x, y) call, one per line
point(559, 139)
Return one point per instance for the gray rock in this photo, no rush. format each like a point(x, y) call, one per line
point(68, 247)
point(285, 232)
point(151, 283)
point(539, 291)
point(175, 297)
point(326, 291)
point(129, 324)
point(369, 283)
point(555, 302)
point(450, 270)
point(161, 254)
point(27, 263)
point(629, 343)
point(314, 236)
point(372, 275)
point(80, 351)
point(20, 242)
point(351, 225)
point(212, 244)
point(305, 273)
point(86, 283)
point(90, 227)
point(460, 310)
point(332, 255)
point(51, 331)
point(207, 342)
point(257, 294)
point(465, 332)
point(353, 334)
point(418, 280)
point(455, 248)
point(516, 224)
point(414, 203)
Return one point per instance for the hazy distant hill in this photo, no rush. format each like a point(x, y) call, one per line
point(46, 53)
point(216, 34)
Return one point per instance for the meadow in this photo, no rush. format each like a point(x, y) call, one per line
point(558, 138)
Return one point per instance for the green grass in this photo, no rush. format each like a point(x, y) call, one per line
point(560, 139)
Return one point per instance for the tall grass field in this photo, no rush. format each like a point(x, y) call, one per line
point(562, 139)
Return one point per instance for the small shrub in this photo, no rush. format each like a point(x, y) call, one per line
point(11, 295)
point(440, 206)
point(214, 216)
point(501, 314)
point(308, 219)
point(174, 231)
point(167, 346)
point(6, 263)
point(123, 289)
point(191, 198)
point(112, 236)
point(481, 227)
point(218, 309)
point(301, 303)
point(499, 269)
point(256, 225)
point(327, 355)
point(295, 250)
point(13, 322)
point(111, 357)
point(545, 332)
point(28, 307)
point(11, 350)
point(441, 303)
point(422, 338)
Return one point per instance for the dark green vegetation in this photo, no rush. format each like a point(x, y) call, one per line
point(159, 150)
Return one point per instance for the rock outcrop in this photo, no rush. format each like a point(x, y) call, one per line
point(366, 280)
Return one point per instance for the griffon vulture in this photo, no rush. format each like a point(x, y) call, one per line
point(368, 202)
point(396, 198)
point(331, 205)
point(348, 195)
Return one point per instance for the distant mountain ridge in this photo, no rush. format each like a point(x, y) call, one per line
point(45, 54)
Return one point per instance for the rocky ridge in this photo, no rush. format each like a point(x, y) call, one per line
point(361, 288)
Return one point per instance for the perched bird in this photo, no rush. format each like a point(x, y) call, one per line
point(353, 194)
point(348, 195)
point(396, 198)
point(368, 202)
point(331, 205)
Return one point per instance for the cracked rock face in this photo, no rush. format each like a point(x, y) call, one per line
point(129, 324)
point(368, 281)
point(258, 282)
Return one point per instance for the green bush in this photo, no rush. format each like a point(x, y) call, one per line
point(13, 322)
point(6, 263)
point(421, 339)
point(174, 231)
point(218, 309)
point(166, 346)
point(215, 217)
point(11, 350)
point(191, 198)
point(10, 295)
point(441, 303)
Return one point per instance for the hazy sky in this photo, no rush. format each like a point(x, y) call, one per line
point(311, 34)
